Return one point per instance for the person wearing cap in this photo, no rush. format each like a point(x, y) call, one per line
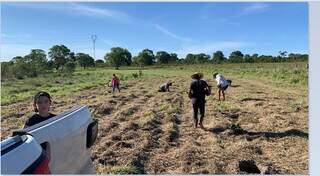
point(41, 103)
point(165, 87)
point(197, 93)
point(222, 84)
point(115, 82)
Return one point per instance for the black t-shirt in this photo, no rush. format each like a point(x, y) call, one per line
point(198, 88)
point(35, 119)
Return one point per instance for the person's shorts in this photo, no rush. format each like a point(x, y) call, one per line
point(223, 88)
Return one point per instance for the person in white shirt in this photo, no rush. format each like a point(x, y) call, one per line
point(222, 84)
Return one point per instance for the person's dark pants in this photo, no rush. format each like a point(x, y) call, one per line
point(199, 105)
point(114, 88)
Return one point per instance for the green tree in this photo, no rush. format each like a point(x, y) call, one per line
point(255, 57)
point(70, 66)
point(146, 57)
point(36, 61)
point(50, 65)
point(118, 57)
point(247, 58)
point(60, 55)
point(7, 70)
point(190, 59)
point(218, 57)
point(202, 58)
point(72, 57)
point(236, 57)
point(99, 63)
point(135, 60)
point(163, 57)
point(20, 67)
point(84, 60)
point(173, 58)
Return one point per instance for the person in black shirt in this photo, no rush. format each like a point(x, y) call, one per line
point(197, 93)
point(41, 104)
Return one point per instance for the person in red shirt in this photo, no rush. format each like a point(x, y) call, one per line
point(115, 83)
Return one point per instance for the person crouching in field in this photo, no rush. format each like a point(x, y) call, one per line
point(222, 84)
point(115, 82)
point(165, 87)
point(41, 104)
point(197, 93)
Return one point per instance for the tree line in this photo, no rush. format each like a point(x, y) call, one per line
point(63, 60)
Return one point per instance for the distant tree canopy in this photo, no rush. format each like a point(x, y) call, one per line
point(163, 57)
point(197, 58)
point(145, 57)
point(85, 60)
point(36, 62)
point(99, 63)
point(118, 57)
point(236, 56)
point(218, 57)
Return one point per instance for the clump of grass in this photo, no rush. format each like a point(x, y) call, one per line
point(164, 107)
point(145, 118)
point(175, 109)
point(225, 106)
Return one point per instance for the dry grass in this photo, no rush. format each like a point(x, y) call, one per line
point(145, 131)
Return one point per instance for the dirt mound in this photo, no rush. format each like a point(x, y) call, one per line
point(103, 109)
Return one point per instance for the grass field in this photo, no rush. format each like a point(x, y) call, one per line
point(264, 118)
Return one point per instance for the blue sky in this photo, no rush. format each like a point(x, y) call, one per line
point(263, 28)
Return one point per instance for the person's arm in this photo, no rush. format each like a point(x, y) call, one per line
point(190, 91)
point(168, 88)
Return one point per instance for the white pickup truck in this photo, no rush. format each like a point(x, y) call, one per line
point(59, 145)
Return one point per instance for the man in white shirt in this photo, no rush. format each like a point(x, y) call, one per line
point(222, 84)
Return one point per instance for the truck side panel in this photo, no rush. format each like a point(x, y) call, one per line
point(67, 142)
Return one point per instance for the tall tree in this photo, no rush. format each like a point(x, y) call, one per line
point(218, 57)
point(36, 61)
point(146, 57)
point(163, 57)
point(190, 59)
point(236, 57)
point(118, 57)
point(173, 58)
point(59, 54)
point(202, 58)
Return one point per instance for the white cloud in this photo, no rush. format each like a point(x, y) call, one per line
point(101, 12)
point(210, 47)
point(170, 34)
point(78, 9)
point(254, 8)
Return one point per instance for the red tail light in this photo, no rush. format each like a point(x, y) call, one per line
point(40, 166)
point(43, 167)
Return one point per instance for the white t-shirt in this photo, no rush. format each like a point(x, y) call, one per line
point(221, 80)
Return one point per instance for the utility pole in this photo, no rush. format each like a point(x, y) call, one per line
point(94, 38)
